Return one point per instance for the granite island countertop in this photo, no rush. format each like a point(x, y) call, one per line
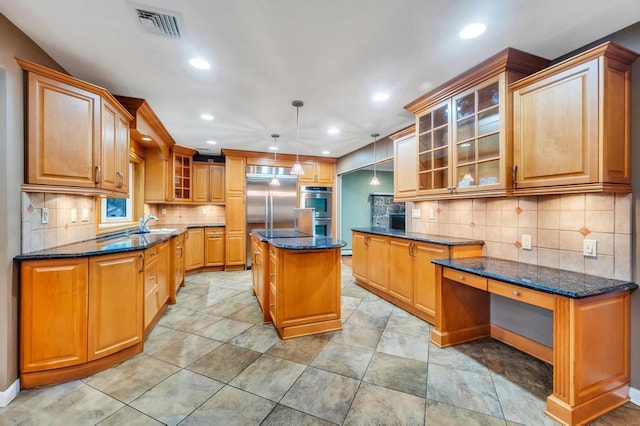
point(549, 280)
point(287, 238)
point(417, 236)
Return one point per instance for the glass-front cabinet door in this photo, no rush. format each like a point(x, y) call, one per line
point(478, 137)
point(434, 149)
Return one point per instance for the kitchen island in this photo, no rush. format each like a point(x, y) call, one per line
point(296, 279)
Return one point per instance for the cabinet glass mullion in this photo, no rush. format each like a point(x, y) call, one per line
point(433, 149)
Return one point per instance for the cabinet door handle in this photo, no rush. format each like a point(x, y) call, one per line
point(98, 175)
point(141, 257)
point(120, 179)
point(514, 175)
point(181, 251)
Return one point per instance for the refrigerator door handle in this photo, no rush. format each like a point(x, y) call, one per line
point(266, 210)
point(271, 211)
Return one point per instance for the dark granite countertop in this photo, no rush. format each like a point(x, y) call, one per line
point(288, 238)
point(548, 280)
point(416, 236)
point(196, 225)
point(122, 242)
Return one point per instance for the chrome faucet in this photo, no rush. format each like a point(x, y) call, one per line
point(144, 223)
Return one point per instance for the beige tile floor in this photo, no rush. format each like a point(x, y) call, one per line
point(210, 361)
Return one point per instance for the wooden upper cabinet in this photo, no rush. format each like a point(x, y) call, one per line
point(208, 183)
point(571, 125)
point(461, 129)
point(235, 172)
point(114, 171)
point(182, 180)
point(404, 165)
point(317, 172)
point(74, 135)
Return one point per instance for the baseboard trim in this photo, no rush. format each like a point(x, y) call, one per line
point(7, 396)
point(634, 395)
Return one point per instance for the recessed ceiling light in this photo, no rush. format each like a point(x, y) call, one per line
point(472, 31)
point(326, 152)
point(146, 138)
point(273, 148)
point(206, 116)
point(212, 142)
point(200, 63)
point(333, 131)
point(380, 97)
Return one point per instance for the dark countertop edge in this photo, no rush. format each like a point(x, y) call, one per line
point(159, 238)
point(286, 244)
point(623, 286)
point(416, 236)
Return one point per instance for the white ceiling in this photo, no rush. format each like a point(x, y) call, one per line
point(332, 54)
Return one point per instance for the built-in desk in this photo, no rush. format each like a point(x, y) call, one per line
point(590, 353)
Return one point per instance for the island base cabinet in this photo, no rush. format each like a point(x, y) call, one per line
point(115, 302)
point(307, 291)
point(53, 314)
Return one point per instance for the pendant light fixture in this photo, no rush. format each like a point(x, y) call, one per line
point(275, 181)
point(297, 168)
point(374, 179)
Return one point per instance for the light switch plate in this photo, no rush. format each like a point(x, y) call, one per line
point(45, 216)
point(415, 213)
point(432, 214)
point(85, 214)
point(164, 211)
point(526, 242)
point(590, 248)
point(74, 215)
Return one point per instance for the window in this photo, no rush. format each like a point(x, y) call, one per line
point(114, 214)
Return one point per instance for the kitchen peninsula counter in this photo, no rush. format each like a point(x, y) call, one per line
point(417, 236)
point(297, 281)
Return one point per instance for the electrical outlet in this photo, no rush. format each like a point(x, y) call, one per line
point(164, 211)
point(415, 213)
point(74, 215)
point(526, 242)
point(432, 214)
point(204, 211)
point(590, 248)
point(45, 216)
point(85, 214)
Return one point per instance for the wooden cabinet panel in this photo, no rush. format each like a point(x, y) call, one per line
point(359, 256)
point(571, 127)
point(53, 314)
point(235, 249)
point(163, 273)
point(114, 170)
point(317, 172)
point(404, 168)
point(235, 175)
point(156, 176)
point(377, 261)
point(178, 257)
point(115, 303)
point(235, 239)
point(424, 289)
point(151, 296)
point(400, 269)
point(122, 154)
point(63, 134)
point(208, 183)
point(214, 247)
point(194, 249)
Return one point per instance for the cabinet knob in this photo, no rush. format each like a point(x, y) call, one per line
point(461, 277)
point(516, 293)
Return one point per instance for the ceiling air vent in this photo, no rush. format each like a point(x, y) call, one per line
point(163, 22)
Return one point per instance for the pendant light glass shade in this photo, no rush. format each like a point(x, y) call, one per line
point(297, 168)
point(274, 180)
point(374, 180)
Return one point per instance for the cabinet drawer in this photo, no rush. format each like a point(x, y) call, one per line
point(218, 232)
point(521, 294)
point(465, 278)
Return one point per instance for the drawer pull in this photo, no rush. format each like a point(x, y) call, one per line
point(516, 293)
point(461, 277)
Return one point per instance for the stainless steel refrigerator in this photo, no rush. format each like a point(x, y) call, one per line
point(269, 206)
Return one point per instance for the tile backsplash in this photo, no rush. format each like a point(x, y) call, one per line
point(557, 224)
point(186, 214)
point(59, 230)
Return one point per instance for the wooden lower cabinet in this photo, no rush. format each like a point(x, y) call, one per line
point(400, 270)
point(178, 258)
point(305, 291)
point(115, 303)
point(194, 249)
point(235, 251)
point(259, 270)
point(53, 303)
point(156, 281)
point(214, 247)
